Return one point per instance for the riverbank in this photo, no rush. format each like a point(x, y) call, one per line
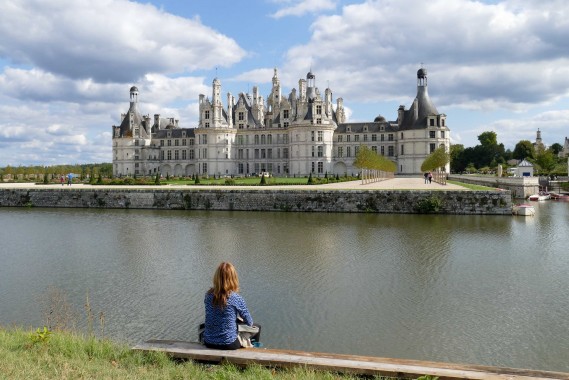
point(399, 195)
point(63, 355)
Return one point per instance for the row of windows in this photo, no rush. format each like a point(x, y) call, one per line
point(348, 151)
point(245, 167)
point(390, 137)
point(262, 139)
point(177, 142)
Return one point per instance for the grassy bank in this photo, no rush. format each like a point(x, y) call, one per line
point(63, 355)
point(471, 186)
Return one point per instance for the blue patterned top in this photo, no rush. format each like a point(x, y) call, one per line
point(220, 324)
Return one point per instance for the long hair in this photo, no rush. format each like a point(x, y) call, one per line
point(225, 281)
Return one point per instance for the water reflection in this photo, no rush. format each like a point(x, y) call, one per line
point(474, 289)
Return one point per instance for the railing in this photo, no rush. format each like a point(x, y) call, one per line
point(371, 175)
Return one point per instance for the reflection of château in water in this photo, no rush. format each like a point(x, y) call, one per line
point(295, 135)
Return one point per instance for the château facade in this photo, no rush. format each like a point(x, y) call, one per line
point(298, 134)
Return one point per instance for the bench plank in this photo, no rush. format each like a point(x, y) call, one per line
point(364, 365)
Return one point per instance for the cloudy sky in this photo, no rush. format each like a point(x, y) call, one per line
point(66, 65)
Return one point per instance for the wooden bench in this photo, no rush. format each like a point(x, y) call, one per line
point(363, 365)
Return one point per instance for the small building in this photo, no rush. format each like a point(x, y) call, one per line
point(524, 169)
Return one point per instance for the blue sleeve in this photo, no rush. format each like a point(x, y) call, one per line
point(242, 309)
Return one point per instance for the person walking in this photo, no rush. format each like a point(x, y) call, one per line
point(430, 177)
point(426, 175)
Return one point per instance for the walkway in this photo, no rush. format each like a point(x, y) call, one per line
point(403, 183)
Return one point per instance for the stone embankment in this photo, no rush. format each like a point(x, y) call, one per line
point(322, 200)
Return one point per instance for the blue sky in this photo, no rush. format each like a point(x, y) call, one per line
point(66, 65)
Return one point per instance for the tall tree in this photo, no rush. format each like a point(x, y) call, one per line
point(523, 149)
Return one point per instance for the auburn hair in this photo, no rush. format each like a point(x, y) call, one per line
point(225, 281)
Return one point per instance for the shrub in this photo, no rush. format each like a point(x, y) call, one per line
point(429, 205)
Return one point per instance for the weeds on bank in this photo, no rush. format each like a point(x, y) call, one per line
point(57, 351)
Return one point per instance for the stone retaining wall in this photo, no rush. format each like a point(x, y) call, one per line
point(378, 201)
point(521, 187)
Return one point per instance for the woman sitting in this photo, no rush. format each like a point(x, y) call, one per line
point(223, 307)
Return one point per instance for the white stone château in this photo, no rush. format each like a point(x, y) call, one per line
point(285, 136)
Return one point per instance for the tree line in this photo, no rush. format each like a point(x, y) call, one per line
point(488, 154)
point(81, 170)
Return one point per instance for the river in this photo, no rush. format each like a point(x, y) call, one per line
point(488, 290)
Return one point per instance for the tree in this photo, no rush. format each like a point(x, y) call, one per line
point(368, 159)
point(263, 180)
point(488, 139)
point(157, 178)
point(438, 159)
point(523, 149)
point(556, 148)
point(546, 160)
point(310, 180)
point(456, 152)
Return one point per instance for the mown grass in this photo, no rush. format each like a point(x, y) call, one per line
point(66, 355)
point(470, 186)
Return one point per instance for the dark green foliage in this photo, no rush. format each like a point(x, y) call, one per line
point(263, 180)
point(429, 205)
point(157, 178)
point(197, 180)
point(310, 180)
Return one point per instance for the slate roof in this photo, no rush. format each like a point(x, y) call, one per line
point(425, 108)
point(175, 133)
point(372, 127)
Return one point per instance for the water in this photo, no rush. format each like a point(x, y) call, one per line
point(486, 290)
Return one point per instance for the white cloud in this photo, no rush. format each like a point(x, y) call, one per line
point(109, 40)
point(508, 52)
point(302, 7)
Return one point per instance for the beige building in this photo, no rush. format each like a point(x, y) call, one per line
point(304, 132)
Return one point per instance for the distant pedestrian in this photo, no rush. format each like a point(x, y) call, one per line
point(426, 175)
point(430, 175)
point(62, 180)
point(69, 179)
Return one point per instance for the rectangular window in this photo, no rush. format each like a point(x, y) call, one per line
point(340, 138)
point(390, 152)
point(257, 167)
point(442, 134)
point(204, 168)
point(169, 155)
point(390, 137)
point(285, 152)
point(176, 154)
point(340, 151)
point(161, 142)
point(357, 138)
point(313, 151)
point(241, 116)
point(402, 149)
point(162, 155)
point(169, 142)
point(269, 154)
point(432, 122)
point(432, 134)
point(311, 135)
point(348, 138)
point(313, 167)
point(382, 150)
point(240, 165)
point(374, 137)
point(207, 125)
point(192, 154)
point(356, 150)
point(263, 153)
point(374, 149)
point(240, 154)
point(241, 125)
point(285, 124)
point(320, 151)
point(432, 148)
point(318, 110)
point(256, 139)
point(318, 121)
point(320, 167)
point(320, 135)
point(257, 154)
point(184, 154)
point(191, 141)
point(348, 151)
point(183, 142)
point(365, 137)
point(204, 153)
point(204, 139)
point(382, 137)
point(206, 114)
point(285, 114)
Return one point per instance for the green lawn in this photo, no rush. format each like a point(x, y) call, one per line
point(470, 186)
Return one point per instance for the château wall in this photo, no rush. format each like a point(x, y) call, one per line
point(384, 201)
